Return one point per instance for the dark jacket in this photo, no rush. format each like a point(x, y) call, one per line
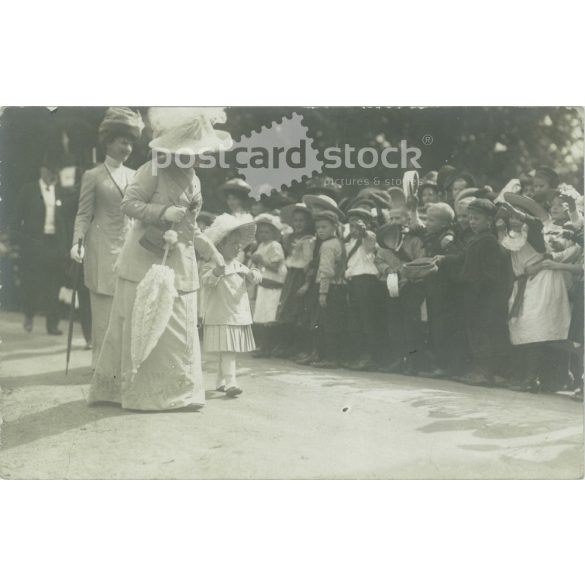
point(29, 222)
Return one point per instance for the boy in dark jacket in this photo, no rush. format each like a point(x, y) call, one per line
point(483, 268)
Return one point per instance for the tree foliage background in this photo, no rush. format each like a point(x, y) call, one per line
point(495, 144)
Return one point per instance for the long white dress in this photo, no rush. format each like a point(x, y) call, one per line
point(545, 313)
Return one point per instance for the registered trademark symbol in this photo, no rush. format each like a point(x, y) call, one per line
point(427, 139)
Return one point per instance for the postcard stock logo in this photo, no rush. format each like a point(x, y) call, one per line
point(278, 156)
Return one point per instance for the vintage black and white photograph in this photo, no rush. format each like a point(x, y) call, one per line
point(291, 292)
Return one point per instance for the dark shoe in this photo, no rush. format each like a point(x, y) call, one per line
point(325, 364)
point(474, 380)
point(54, 331)
point(366, 365)
point(28, 324)
point(233, 391)
point(280, 353)
point(436, 373)
point(526, 386)
point(220, 389)
point(306, 359)
point(395, 367)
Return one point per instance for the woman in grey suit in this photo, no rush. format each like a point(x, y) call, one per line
point(100, 223)
point(164, 198)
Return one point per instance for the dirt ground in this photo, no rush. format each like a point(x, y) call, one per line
point(291, 422)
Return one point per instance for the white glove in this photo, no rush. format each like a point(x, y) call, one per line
point(77, 253)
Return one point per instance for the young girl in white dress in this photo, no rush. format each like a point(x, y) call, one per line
point(269, 260)
point(227, 319)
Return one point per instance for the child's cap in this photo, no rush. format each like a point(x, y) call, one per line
point(548, 174)
point(359, 213)
point(327, 216)
point(483, 206)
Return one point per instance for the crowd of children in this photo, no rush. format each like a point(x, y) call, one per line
point(446, 279)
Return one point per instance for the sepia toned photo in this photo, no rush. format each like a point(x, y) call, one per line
point(291, 292)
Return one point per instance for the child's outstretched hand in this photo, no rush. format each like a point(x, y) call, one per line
point(254, 277)
point(303, 290)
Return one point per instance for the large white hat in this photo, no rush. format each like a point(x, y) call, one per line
point(188, 131)
point(225, 224)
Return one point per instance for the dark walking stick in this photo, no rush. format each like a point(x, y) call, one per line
point(76, 272)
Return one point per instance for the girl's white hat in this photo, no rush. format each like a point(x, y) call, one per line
point(271, 220)
point(188, 131)
point(225, 224)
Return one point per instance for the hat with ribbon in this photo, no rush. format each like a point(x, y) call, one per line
point(188, 130)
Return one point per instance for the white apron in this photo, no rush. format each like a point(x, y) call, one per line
point(545, 313)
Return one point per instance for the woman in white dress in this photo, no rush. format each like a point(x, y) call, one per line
point(164, 200)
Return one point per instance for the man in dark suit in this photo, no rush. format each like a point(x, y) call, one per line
point(41, 230)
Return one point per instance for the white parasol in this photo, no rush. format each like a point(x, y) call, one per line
point(152, 310)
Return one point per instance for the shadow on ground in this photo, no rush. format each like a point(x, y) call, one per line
point(54, 421)
point(75, 376)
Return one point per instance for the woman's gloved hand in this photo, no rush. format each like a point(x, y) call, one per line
point(77, 253)
point(174, 214)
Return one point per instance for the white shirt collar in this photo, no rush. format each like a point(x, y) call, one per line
point(112, 162)
point(45, 187)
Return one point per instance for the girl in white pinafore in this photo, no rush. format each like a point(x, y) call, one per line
point(539, 309)
point(227, 318)
point(546, 313)
point(269, 259)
